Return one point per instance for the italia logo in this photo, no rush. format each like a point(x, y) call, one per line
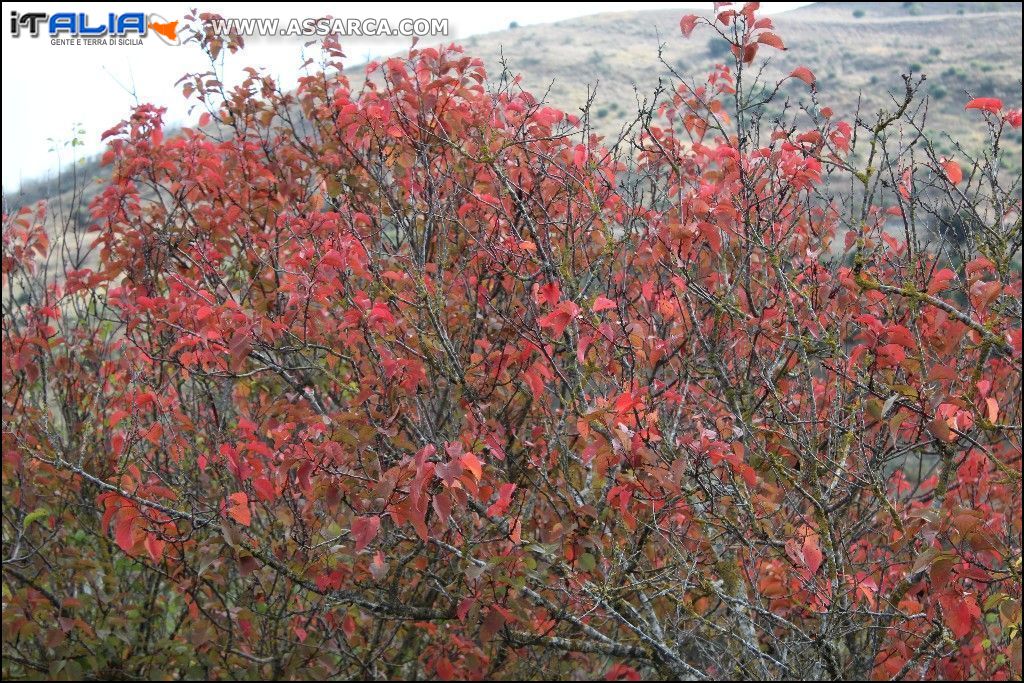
point(64, 25)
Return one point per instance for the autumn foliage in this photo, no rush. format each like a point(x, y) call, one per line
point(425, 379)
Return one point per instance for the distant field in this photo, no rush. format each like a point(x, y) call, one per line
point(856, 50)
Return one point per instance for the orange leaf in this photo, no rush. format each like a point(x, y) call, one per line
point(993, 409)
point(804, 74)
point(240, 510)
point(473, 464)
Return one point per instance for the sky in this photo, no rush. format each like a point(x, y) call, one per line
point(50, 92)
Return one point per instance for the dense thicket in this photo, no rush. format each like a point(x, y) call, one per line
point(424, 379)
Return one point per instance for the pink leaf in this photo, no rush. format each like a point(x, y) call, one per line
point(364, 529)
point(580, 156)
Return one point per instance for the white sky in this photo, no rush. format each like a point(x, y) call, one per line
point(49, 90)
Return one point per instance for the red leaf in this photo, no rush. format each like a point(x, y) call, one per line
point(688, 23)
point(989, 104)
point(550, 293)
point(124, 532)
point(534, 377)
point(906, 184)
point(364, 529)
point(333, 258)
point(953, 171)
point(155, 547)
point(771, 40)
point(378, 567)
point(560, 318)
point(463, 609)
point(622, 672)
point(960, 612)
point(418, 520)
point(500, 506)
point(492, 623)
point(898, 334)
point(153, 434)
point(812, 553)
point(264, 489)
point(603, 303)
point(891, 355)
point(580, 156)
point(941, 280)
point(116, 417)
point(582, 345)
point(804, 74)
point(749, 52)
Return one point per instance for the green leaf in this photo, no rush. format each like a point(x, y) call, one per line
point(35, 516)
point(588, 562)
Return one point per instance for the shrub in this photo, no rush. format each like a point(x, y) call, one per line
point(435, 384)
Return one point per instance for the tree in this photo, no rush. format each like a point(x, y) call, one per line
point(426, 379)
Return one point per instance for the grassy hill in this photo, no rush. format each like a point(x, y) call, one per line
point(856, 50)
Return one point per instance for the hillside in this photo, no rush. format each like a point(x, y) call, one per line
point(857, 51)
